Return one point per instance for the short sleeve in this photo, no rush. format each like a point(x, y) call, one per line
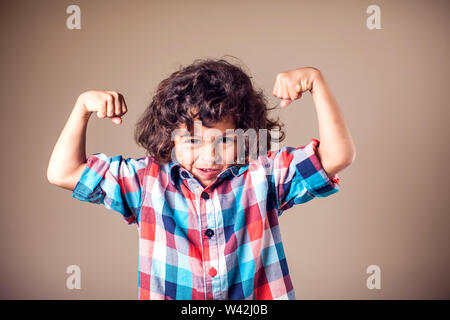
point(115, 182)
point(297, 176)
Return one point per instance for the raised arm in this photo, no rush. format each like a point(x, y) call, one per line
point(336, 150)
point(68, 158)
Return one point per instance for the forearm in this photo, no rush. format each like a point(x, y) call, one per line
point(336, 149)
point(69, 152)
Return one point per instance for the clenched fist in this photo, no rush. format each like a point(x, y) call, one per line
point(109, 104)
point(290, 85)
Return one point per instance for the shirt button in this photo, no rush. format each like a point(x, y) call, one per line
point(209, 233)
point(212, 272)
point(205, 195)
point(184, 174)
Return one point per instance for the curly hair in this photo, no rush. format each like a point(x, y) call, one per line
point(208, 90)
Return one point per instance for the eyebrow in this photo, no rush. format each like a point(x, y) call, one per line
point(185, 134)
point(188, 134)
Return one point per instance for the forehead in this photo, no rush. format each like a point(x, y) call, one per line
point(219, 128)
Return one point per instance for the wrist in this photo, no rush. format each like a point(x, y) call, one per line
point(317, 81)
point(81, 110)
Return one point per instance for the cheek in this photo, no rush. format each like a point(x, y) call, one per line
point(184, 154)
point(229, 154)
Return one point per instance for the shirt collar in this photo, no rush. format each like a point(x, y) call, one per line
point(176, 171)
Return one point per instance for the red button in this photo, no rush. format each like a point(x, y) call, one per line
point(212, 272)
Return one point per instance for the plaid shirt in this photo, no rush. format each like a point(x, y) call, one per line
point(219, 242)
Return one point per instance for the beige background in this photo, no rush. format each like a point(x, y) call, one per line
point(392, 86)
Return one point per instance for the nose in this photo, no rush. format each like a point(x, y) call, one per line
point(209, 153)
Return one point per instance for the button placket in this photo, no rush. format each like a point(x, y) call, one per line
point(204, 209)
point(220, 282)
point(214, 271)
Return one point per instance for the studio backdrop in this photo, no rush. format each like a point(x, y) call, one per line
point(384, 235)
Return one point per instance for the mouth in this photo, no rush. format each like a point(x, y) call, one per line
point(208, 172)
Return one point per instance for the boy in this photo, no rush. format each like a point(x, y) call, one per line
point(206, 212)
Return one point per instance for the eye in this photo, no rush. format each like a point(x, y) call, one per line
point(227, 140)
point(193, 141)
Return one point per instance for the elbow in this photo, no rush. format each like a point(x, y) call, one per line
point(51, 178)
point(347, 161)
point(65, 180)
point(353, 157)
point(59, 182)
point(337, 166)
point(339, 160)
point(347, 158)
point(350, 159)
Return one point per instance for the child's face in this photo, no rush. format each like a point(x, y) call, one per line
point(206, 148)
